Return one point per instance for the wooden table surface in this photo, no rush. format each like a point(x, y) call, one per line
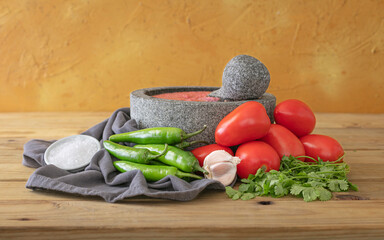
point(49, 215)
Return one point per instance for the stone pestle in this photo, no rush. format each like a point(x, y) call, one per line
point(244, 78)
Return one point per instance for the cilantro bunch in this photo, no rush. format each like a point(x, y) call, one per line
point(310, 181)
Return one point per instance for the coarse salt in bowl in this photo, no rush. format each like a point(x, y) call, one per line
point(72, 153)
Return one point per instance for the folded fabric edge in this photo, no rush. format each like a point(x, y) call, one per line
point(45, 183)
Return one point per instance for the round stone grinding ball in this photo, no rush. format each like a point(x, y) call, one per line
point(244, 77)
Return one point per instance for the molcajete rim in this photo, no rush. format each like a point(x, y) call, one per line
point(148, 93)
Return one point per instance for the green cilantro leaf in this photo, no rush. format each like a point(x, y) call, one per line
point(324, 194)
point(343, 185)
point(250, 177)
point(280, 190)
point(296, 189)
point(337, 185)
point(317, 184)
point(258, 190)
point(248, 196)
point(266, 186)
point(244, 187)
point(246, 180)
point(311, 181)
point(230, 191)
point(309, 194)
point(237, 196)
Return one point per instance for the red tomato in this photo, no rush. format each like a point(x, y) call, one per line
point(201, 152)
point(284, 141)
point(254, 155)
point(247, 122)
point(325, 147)
point(296, 116)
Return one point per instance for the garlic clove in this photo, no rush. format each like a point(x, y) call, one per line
point(224, 172)
point(221, 166)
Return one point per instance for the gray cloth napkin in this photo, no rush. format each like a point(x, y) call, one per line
point(100, 178)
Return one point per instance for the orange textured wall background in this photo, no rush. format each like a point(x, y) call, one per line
point(89, 55)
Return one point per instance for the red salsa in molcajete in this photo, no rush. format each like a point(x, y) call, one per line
point(197, 96)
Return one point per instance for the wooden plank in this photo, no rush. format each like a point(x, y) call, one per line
point(15, 172)
point(349, 120)
point(356, 138)
point(198, 214)
point(65, 118)
point(150, 233)
point(39, 214)
point(47, 125)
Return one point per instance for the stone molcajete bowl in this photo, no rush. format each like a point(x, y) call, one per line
point(242, 74)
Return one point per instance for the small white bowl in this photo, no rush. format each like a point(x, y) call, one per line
point(72, 153)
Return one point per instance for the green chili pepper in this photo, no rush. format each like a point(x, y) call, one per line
point(183, 160)
point(131, 154)
point(154, 162)
point(152, 172)
point(169, 135)
point(183, 145)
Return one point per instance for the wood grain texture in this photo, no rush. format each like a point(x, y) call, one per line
point(51, 215)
